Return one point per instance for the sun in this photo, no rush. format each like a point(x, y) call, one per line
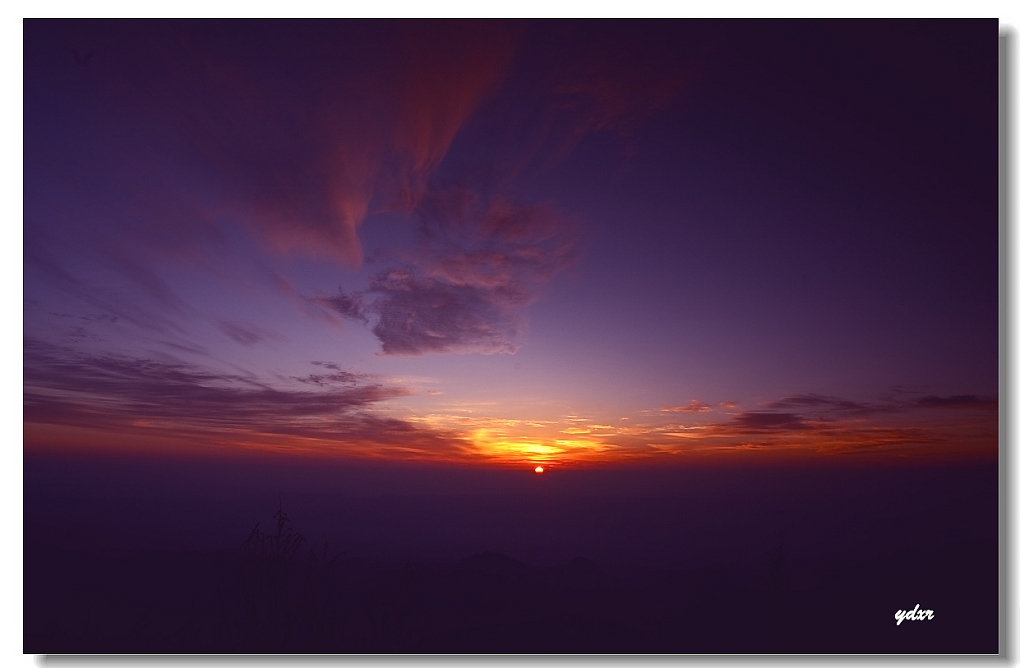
point(539, 469)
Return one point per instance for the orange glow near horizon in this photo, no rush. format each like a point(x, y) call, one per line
point(554, 440)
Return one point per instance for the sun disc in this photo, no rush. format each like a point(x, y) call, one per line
point(539, 469)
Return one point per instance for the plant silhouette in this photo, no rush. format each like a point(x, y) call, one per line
point(285, 600)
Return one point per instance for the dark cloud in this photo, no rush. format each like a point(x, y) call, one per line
point(426, 315)
point(338, 376)
point(834, 405)
point(117, 392)
point(959, 401)
point(150, 388)
point(349, 306)
point(826, 403)
point(752, 421)
point(188, 133)
point(463, 288)
point(332, 366)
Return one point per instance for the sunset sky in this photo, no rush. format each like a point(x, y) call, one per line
point(512, 243)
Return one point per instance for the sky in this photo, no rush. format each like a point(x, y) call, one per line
point(513, 243)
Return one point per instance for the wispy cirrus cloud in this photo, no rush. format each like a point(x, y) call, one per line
point(249, 335)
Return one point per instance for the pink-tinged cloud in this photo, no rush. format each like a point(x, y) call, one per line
point(465, 286)
point(616, 87)
point(299, 157)
point(379, 155)
point(695, 406)
point(448, 70)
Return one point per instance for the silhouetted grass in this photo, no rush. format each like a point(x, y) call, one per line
point(286, 600)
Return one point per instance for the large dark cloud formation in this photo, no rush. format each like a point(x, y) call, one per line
point(299, 131)
point(174, 139)
point(483, 252)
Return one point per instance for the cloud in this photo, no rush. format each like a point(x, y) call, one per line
point(824, 425)
point(144, 387)
point(338, 376)
point(617, 96)
point(483, 256)
point(117, 392)
point(826, 403)
point(426, 315)
point(248, 335)
point(752, 422)
point(357, 138)
point(464, 287)
point(695, 406)
point(835, 405)
point(811, 400)
point(959, 401)
point(52, 276)
point(349, 306)
point(188, 137)
point(296, 130)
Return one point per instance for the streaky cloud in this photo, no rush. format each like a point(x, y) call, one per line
point(818, 402)
point(959, 401)
point(121, 393)
point(767, 421)
point(248, 335)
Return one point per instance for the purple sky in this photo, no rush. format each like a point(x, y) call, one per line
point(512, 242)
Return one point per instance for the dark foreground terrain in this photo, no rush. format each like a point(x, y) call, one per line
point(239, 601)
point(152, 557)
